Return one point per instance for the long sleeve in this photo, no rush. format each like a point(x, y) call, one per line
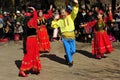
point(49, 15)
point(74, 12)
point(35, 16)
point(91, 24)
point(66, 24)
point(33, 21)
point(55, 24)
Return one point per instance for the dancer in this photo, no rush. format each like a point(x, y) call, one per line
point(101, 43)
point(43, 38)
point(66, 24)
point(31, 59)
point(55, 30)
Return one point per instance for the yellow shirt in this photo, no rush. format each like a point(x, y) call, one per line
point(66, 24)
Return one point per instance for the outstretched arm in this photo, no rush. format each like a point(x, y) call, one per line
point(33, 21)
point(34, 12)
point(50, 13)
point(89, 24)
point(75, 10)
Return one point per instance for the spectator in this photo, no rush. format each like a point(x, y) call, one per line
point(18, 31)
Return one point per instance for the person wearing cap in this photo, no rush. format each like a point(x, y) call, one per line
point(18, 30)
point(19, 17)
point(66, 25)
point(101, 43)
point(7, 25)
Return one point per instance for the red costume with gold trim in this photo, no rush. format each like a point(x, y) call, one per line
point(31, 57)
point(101, 43)
point(43, 38)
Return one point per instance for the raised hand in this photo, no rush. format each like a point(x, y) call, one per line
point(31, 8)
point(51, 7)
point(83, 25)
point(75, 1)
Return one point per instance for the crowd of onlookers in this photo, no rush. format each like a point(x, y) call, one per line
point(11, 24)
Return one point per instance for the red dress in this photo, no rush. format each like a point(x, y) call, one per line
point(101, 43)
point(31, 59)
point(43, 38)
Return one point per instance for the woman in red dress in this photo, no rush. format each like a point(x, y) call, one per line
point(101, 43)
point(43, 38)
point(31, 57)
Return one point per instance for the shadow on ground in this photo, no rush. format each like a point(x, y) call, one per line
point(85, 53)
point(18, 63)
point(52, 57)
point(55, 58)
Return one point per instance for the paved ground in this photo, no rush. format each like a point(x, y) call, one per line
point(54, 67)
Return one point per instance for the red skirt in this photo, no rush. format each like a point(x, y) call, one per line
point(101, 43)
point(31, 59)
point(43, 39)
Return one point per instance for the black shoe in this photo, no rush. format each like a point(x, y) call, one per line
point(70, 64)
point(65, 56)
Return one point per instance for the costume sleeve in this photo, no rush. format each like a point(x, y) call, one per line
point(49, 15)
point(33, 21)
point(55, 24)
point(91, 24)
point(35, 14)
point(74, 12)
point(35, 17)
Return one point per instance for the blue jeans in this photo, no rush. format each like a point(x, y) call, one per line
point(70, 48)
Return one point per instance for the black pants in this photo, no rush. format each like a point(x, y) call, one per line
point(1, 33)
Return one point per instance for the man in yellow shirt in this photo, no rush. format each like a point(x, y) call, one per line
point(66, 25)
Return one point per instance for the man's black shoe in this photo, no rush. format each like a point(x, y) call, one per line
point(70, 64)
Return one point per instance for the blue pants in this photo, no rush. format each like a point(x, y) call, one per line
point(70, 48)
